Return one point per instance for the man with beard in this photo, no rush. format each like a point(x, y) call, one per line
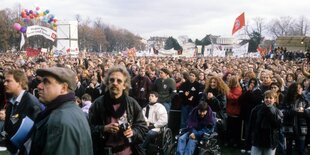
point(62, 127)
point(117, 123)
point(21, 105)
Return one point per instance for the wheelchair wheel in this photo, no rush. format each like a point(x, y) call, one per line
point(207, 151)
point(167, 141)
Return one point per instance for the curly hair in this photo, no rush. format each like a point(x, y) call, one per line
point(221, 85)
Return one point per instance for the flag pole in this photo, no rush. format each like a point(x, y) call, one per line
point(22, 41)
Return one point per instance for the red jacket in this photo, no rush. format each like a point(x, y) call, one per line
point(233, 107)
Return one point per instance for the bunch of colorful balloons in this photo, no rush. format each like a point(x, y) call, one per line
point(20, 28)
point(36, 16)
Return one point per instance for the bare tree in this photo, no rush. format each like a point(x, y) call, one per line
point(258, 26)
point(282, 26)
point(301, 27)
point(78, 18)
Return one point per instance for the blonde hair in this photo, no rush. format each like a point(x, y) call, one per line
point(20, 77)
point(271, 93)
point(233, 82)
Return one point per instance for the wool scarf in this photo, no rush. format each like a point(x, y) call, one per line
point(109, 102)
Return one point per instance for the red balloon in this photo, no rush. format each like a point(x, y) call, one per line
point(24, 14)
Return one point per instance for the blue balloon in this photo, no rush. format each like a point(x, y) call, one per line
point(23, 29)
point(26, 20)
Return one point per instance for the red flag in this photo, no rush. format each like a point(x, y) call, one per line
point(31, 52)
point(239, 23)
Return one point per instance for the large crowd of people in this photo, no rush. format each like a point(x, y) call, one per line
point(104, 103)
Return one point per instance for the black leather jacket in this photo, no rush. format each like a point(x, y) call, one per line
point(98, 119)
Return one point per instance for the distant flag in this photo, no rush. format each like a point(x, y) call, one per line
point(270, 49)
point(22, 41)
point(239, 23)
point(262, 51)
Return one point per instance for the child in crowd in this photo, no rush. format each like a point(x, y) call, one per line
point(265, 123)
point(156, 117)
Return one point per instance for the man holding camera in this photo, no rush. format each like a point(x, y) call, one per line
point(116, 120)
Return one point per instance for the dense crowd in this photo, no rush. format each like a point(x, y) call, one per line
point(262, 105)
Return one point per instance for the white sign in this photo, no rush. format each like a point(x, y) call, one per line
point(218, 53)
point(240, 51)
point(43, 31)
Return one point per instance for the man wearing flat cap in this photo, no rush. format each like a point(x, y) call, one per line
point(62, 127)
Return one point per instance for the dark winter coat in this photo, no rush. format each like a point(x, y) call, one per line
point(265, 123)
point(98, 119)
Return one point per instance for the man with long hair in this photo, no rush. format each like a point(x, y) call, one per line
point(116, 119)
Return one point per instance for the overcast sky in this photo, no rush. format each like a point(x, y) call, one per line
point(194, 18)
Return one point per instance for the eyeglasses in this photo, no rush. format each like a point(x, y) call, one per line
point(112, 80)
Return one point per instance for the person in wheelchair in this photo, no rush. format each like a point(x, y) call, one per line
point(156, 117)
point(201, 121)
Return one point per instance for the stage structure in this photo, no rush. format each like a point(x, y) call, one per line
point(67, 38)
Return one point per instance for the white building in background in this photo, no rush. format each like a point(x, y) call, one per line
point(156, 42)
point(67, 37)
point(221, 46)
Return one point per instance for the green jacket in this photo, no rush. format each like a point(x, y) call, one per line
point(64, 132)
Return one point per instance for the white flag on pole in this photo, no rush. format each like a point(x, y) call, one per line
point(22, 41)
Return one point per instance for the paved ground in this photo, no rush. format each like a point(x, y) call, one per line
point(234, 151)
point(224, 151)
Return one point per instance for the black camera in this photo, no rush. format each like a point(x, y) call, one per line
point(123, 127)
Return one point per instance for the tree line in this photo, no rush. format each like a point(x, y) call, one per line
point(96, 36)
